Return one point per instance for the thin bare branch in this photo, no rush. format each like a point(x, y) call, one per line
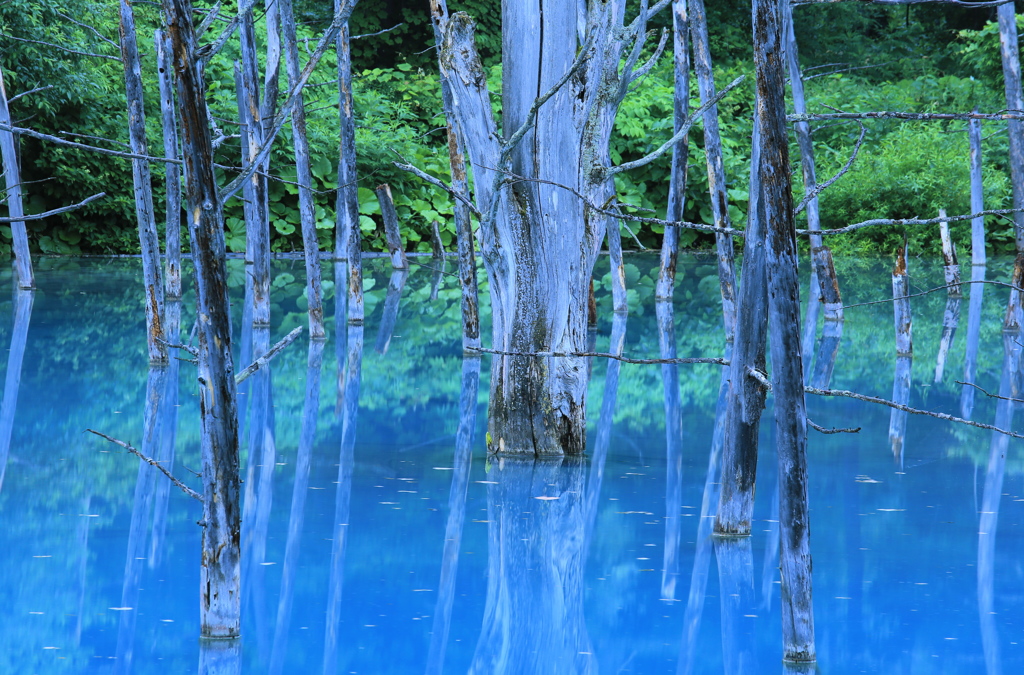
point(380, 32)
point(438, 183)
point(63, 49)
point(932, 290)
point(82, 146)
point(958, 3)
point(832, 430)
point(683, 130)
point(54, 212)
point(821, 187)
point(603, 355)
point(1004, 398)
point(912, 221)
point(30, 91)
point(184, 488)
point(91, 29)
point(262, 361)
point(895, 115)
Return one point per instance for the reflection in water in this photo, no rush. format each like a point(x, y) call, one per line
point(901, 395)
point(23, 300)
point(990, 504)
point(220, 657)
point(168, 435)
point(259, 491)
point(736, 593)
point(828, 352)
point(950, 321)
point(296, 519)
point(391, 303)
point(973, 335)
point(533, 617)
point(673, 451)
point(346, 460)
point(155, 389)
point(456, 513)
point(688, 647)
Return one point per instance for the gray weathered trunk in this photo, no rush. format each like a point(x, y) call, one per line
point(392, 229)
point(977, 194)
point(715, 163)
point(538, 241)
point(827, 352)
point(951, 267)
point(347, 237)
point(12, 183)
point(219, 575)
point(303, 176)
point(680, 152)
point(1010, 51)
point(254, 191)
point(746, 395)
point(172, 184)
point(784, 322)
point(148, 239)
point(974, 305)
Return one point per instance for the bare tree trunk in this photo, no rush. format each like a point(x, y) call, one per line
point(1010, 51)
point(828, 351)
point(904, 353)
point(784, 322)
point(673, 449)
point(746, 395)
point(219, 575)
point(148, 238)
point(347, 237)
point(255, 195)
point(392, 230)
point(172, 183)
point(538, 241)
point(168, 436)
point(716, 166)
point(974, 305)
point(735, 559)
point(680, 152)
point(23, 300)
point(12, 182)
point(617, 269)
point(303, 176)
point(463, 223)
point(977, 195)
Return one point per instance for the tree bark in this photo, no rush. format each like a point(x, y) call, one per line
point(974, 305)
point(784, 322)
point(219, 575)
point(15, 208)
point(255, 194)
point(680, 152)
point(977, 195)
point(303, 176)
point(463, 223)
point(716, 166)
point(1010, 52)
point(538, 241)
point(392, 230)
point(172, 229)
point(746, 396)
point(148, 239)
point(347, 237)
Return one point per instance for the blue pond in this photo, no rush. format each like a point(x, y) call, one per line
point(379, 538)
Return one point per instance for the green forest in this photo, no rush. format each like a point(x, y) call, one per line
point(855, 56)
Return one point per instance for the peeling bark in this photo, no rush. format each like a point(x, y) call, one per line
point(172, 229)
point(977, 195)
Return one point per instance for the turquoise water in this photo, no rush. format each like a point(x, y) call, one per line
point(380, 539)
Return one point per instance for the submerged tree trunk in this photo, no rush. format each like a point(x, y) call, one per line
point(12, 183)
point(219, 576)
point(143, 189)
point(680, 152)
point(1010, 51)
point(716, 166)
point(784, 322)
point(539, 241)
point(172, 229)
point(303, 176)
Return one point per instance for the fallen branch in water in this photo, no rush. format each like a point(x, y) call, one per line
point(186, 489)
point(833, 430)
point(265, 359)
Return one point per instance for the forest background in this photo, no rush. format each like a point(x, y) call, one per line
point(855, 57)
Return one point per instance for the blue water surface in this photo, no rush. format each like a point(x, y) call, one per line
point(379, 538)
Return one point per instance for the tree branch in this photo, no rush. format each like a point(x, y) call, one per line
point(959, 3)
point(683, 130)
point(54, 212)
point(617, 357)
point(184, 488)
point(63, 49)
point(911, 221)
point(895, 115)
point(262, 361)
point(438, 183)
point(30, 91)
point(833, 430)
point(81, 146)
point(821, 187)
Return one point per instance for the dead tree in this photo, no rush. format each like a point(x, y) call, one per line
point(347, 237)
point(220, 606)
point(148, 239)
point(172, 233)
point(304, 177)
point(539, 240)
point(1010, 52)
point(784, 324)
point(12, 183)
